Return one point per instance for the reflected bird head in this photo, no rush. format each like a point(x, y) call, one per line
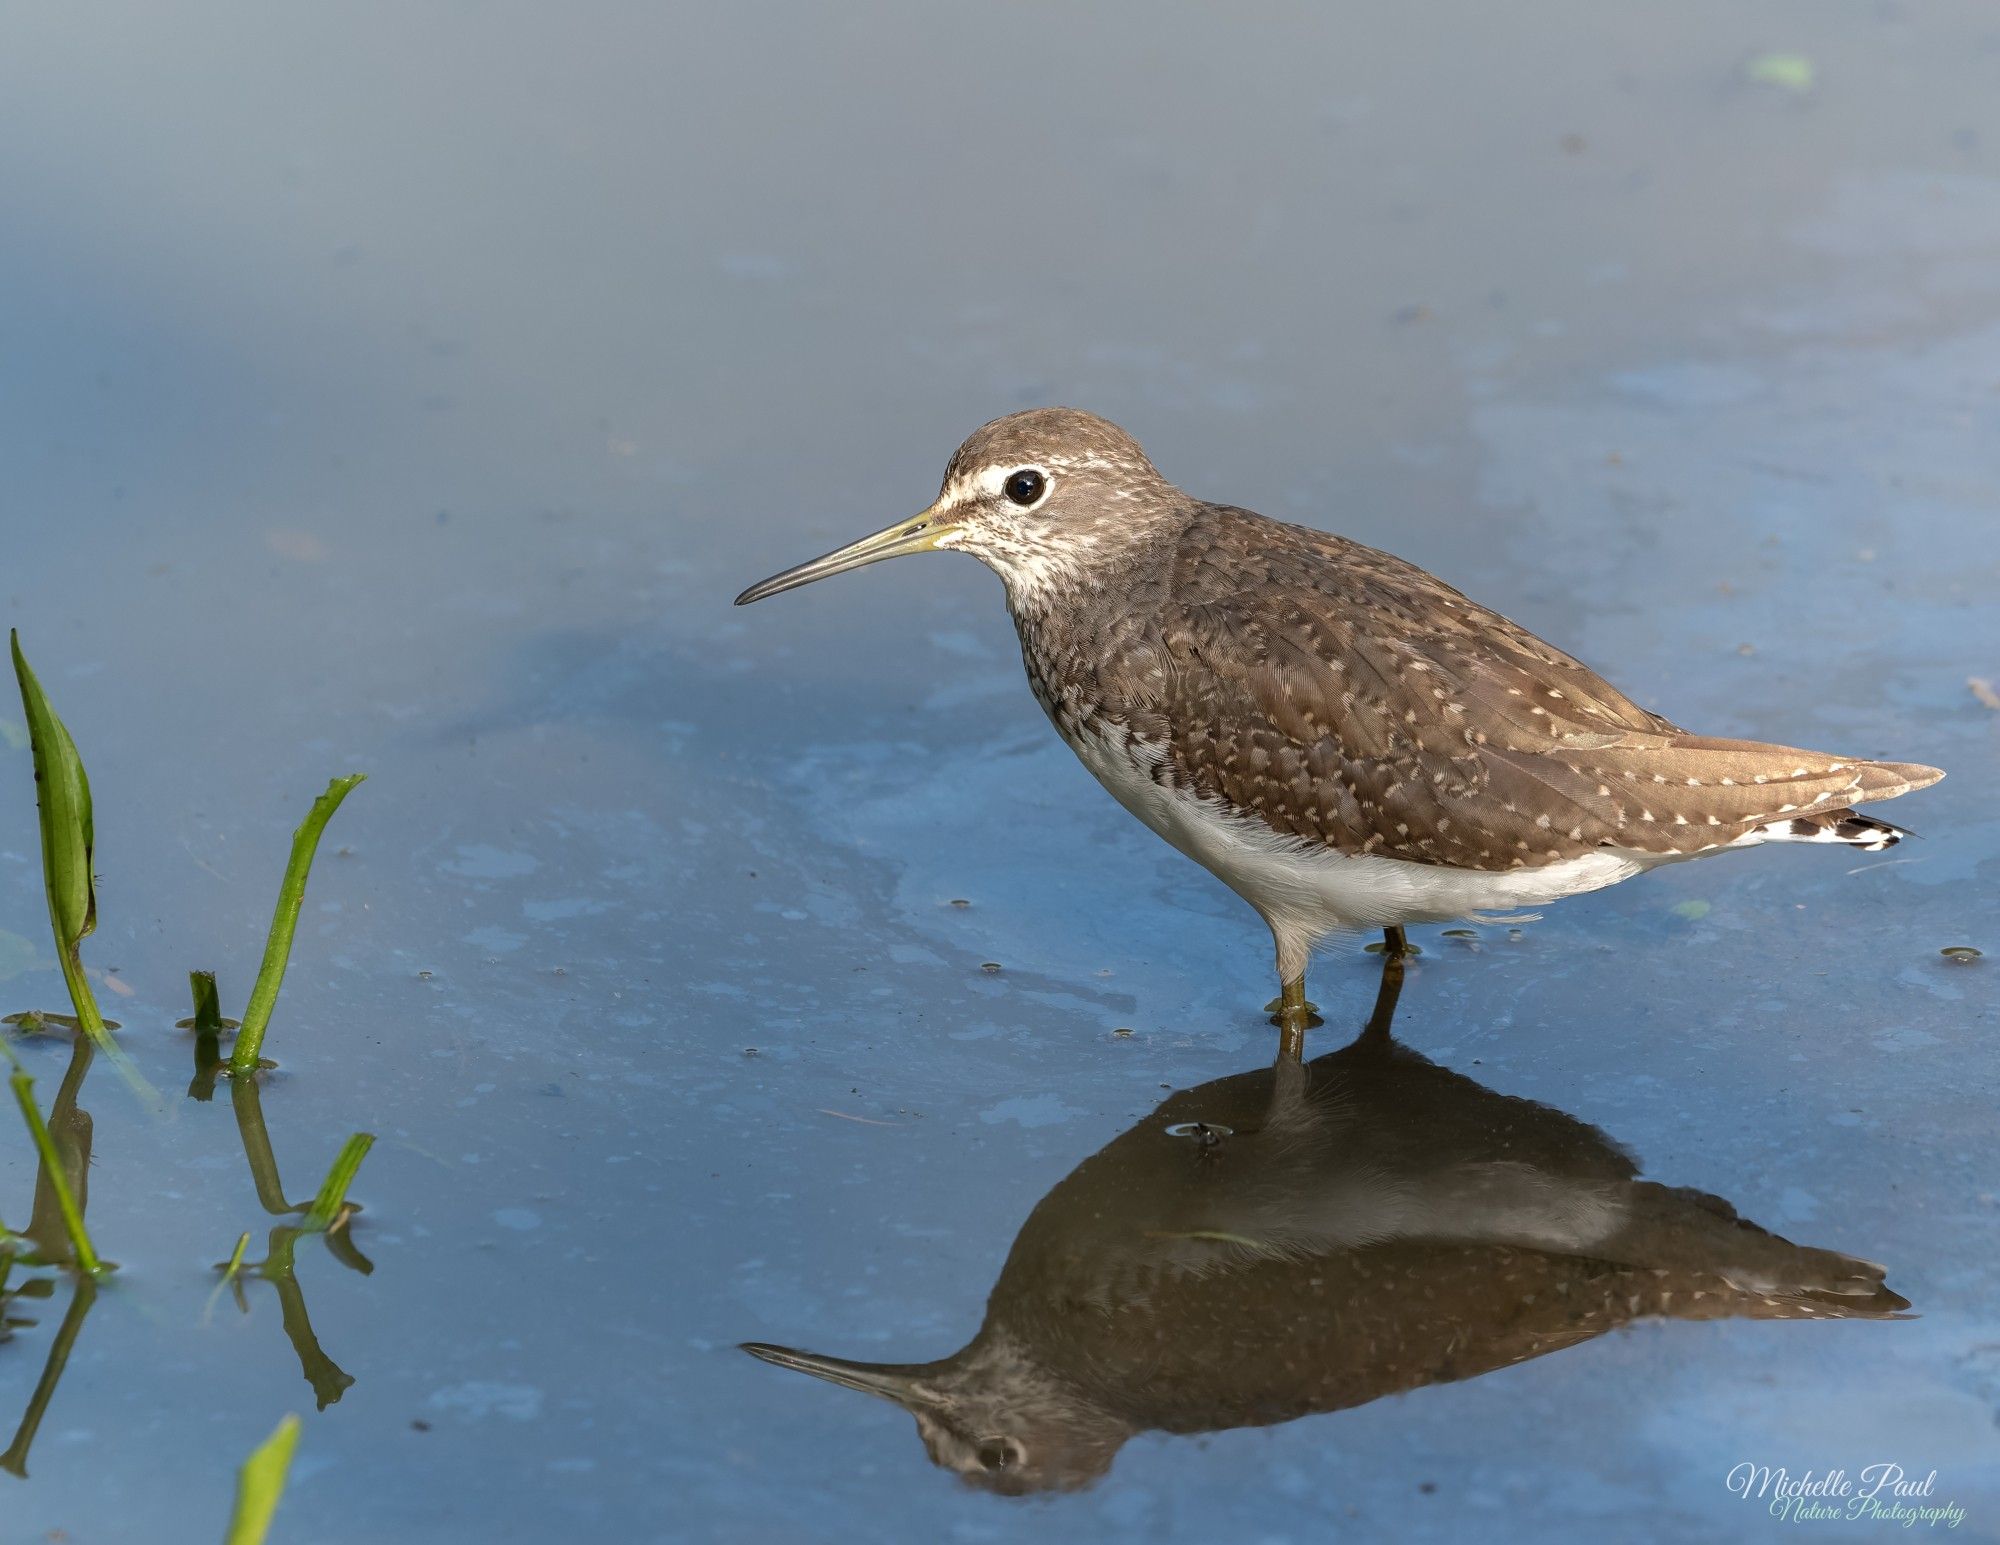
point(1039, 497)
point(990, 1414)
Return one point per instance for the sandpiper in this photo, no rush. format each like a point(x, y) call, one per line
point(1343, 739)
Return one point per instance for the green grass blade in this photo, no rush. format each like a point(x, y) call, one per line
point(62, 798)
point(45, 1146)
point(284, 923)
point(333, 1191)
point(232, 1270)
point(261, 1483)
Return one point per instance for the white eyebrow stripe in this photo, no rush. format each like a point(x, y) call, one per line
point(989, 480)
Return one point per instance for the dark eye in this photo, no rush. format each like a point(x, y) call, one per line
point(1026, 486)
point(1000, 1453)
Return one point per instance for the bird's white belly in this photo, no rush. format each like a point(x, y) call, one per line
point(1305, 891)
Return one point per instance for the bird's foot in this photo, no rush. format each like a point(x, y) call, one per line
point(1276, 1009)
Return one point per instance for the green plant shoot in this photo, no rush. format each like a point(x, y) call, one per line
point(284, 923)
point(62, 796)
point(333, 1190)
point(207, 1007)
point(261, 1483)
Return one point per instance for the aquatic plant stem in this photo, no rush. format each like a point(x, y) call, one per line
point(88, 1017)
point(207, 1004)
point(284, 923)
point(15, 1460)
point(247, 1100)
point(333, 1191)
point(207, 1027)
point(45, 1145)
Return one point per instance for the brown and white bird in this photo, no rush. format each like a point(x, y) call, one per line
point(1340, 737)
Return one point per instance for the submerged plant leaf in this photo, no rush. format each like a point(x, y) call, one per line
point(62, 795)
point(37, 1021)
point(17, 955)
point(261, 1483)
point(1792, 72)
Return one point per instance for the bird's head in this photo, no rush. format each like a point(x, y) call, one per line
point(991, 1416)
point(1035, 496)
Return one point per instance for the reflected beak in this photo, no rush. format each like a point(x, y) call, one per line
point(885, 1381)
point(909, 536)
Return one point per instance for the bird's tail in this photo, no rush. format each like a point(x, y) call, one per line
point(1848, 827)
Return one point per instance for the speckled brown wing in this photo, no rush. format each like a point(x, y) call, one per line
point(1348, 698)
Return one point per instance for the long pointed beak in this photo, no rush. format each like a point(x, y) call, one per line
point(910, 536)
point(885, 1381)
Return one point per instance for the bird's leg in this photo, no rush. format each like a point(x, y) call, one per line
point(1289, 1010)
point(1276, 1007)
point(1394, 944)
point(1295, 1017)
point(1381, 1021)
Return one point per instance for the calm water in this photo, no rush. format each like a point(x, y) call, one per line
point(410, 391)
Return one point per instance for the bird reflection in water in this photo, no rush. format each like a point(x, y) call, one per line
point(1311, 1237)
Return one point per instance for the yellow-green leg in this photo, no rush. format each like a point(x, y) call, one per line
point(1276, 1007)
point(1295, 1017)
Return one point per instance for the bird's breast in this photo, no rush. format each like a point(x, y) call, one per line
point(1093, 668)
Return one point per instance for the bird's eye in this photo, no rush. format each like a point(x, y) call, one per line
point(1026, 486)
point(999, 1453)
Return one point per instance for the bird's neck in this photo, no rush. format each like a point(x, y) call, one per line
point(1078, 575)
